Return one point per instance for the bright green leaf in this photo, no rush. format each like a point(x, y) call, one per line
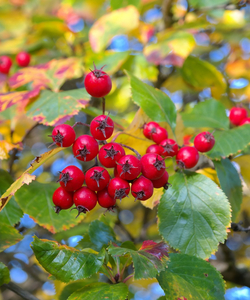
point(9, 236)
point(101, 291)
point(66, 263)
point(210, 113)
point(193, 214)
point(4, 274)
point(229, 142)
point(117, 22)
point(146, 265)
point(192, 278)
point(230, 183)
point(11, 214)
point(123, 3)
point(206, 3)
point(101, 234)
point(156, 104)
point(52, 107)
point(36, 201)
point(201, 74)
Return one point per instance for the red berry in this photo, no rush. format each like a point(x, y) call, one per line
point(153, 166)
point(110, 153)
point(237, 114)
point(5, 64)
point(62, 199)
point(23, 59)
point(71, 178)
point(128, 167)
point(84, 199)
point(187, 157)
point(98, 83)
point(162, 181)
point(63, 135)
point(97, 178)
point(85, 148)
point(154, 149)
point(118, 188)
point(204, 141)
point(245, 121)
point(159, 135)
point(142, 188)
point(105, 200)
point(149, 129)
point(169, 147)
point(102, 127)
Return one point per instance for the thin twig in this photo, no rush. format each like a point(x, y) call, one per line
point(128, 277)
point(103, 105)
point(132, 149)
point(19, 291)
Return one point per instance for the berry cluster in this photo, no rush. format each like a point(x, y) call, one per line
point(186, 157)
point(135, 173)
point(238, 116)
point(22, 59)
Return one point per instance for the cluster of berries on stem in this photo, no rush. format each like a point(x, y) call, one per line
point(22, 59)
point(238, 116)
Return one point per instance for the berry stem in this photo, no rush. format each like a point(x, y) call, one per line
point(123, 269)
point(103, 105)
point(132, 149)
point(111, 277)
point(128, 277)
point(122, 132)
point(80, 123)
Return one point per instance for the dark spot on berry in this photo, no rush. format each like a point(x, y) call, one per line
point(103, 125)
point(111, 152)
point(159, 164)
point(120, 193)
point(83, 152)
point(65, 178)
point(57, 209)
point(126, 167)
point(81, 209)
point(139, 195)
point(168, 147)
point(58, 138)
point(97, 176)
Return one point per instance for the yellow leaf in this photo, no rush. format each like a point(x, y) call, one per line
point(154, 200)
point(6, 147)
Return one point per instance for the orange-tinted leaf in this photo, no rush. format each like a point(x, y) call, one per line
point(144, 32)
point(26, 177)
point(6, 147)
point(154, 200)
point(51, 74)
point(157, 249)
point(120, 21)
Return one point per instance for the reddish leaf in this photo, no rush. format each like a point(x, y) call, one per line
point(159, 250)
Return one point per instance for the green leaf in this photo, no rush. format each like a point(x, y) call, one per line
point(229, 142)
point(201, 74)
point(156, 104)
point(101, 291)
point(192, 278)
point(230, 183)
point(206, 3)
point(9, 236)
point(193, 214)
point(122, 3)
point(4, 274)
point(36, 201)
point(11, 214)
point(210, 113)
point(101, 234)
point(66, 263)
point(146, 265)
point(52, 108)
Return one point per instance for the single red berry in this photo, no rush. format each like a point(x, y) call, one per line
point(162, 181)
point(169, 148)
point(84, 199)
point(97, 178)
point(85, 148)
point(128, 167)
point(187, 157)
point(204, 141)
point(237, 114)
point(71, 178)
point(149, 129)
point(110, 153)
point(118, 188)
point(105, 200)
point(62, 199)
point(153, 166)
point(142, 188)
point(98, 83)
point(63, 135)
point(154, 149)
point(5, 64)
point(102, 127)
point(245, 121)
point(159, 135)
point(23, 59)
